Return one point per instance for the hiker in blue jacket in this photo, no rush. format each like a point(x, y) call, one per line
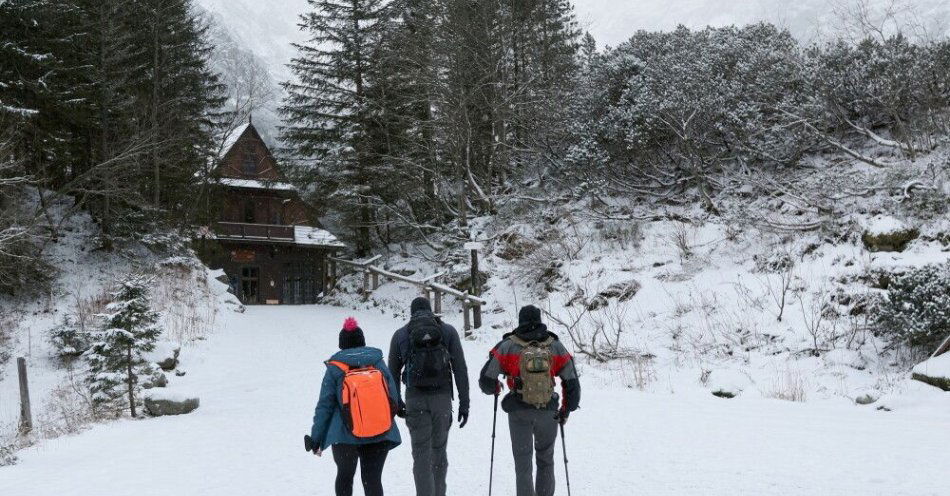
point(329, 428)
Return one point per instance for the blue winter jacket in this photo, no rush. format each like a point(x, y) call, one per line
point(328, 426)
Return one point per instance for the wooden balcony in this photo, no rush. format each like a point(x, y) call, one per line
point(255, 232)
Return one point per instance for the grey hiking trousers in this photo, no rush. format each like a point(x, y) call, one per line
point(429, 417)
point(533, 434)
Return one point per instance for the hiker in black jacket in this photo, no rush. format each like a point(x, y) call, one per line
point(425, 354)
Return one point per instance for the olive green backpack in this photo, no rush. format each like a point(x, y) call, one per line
point(535, 362)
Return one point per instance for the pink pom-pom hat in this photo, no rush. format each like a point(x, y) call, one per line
point(350, 324)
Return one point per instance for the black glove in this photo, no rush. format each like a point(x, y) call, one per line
point(561, 416)
point(463, 417)
point(401, 410)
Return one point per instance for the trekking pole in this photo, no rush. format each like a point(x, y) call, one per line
point(564, 448)
point(494, 423)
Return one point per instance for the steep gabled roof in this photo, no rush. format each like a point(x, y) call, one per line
point(232, 149)
point(233, 138)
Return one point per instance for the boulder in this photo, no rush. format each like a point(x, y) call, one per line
point(622, 291)
point(513, 246)
point(935, 372)
point(165, 355)
point(865, 399)
point(221, 277)
point(726, 383)
point(887, 233)
point(161, 402)
point(156, 380)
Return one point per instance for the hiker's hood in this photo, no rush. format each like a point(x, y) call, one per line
point(358, 357)
point(533, 331)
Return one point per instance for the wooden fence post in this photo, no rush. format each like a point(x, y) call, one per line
point(438, 301)
point(467, 320)
point(474, 277)
point(26, 417)
point(477, 315)
point(365, 281)
point(375, 281)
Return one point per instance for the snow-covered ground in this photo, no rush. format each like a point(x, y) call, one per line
point(258, 377)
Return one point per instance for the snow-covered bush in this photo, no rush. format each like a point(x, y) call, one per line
point(116, 357)
point(916, 308)
point(70, 339)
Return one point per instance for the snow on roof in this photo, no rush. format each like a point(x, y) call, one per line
point(256, 184)
point(306, 235)
point(232, 138)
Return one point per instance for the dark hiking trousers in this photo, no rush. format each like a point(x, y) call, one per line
point(533, 434)
point(429, 417)
point(371, 458)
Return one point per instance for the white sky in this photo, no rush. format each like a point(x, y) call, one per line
point(267, 27)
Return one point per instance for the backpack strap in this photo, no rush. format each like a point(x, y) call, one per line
point(342, 366)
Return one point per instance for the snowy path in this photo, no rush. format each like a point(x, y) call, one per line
point(258, 383)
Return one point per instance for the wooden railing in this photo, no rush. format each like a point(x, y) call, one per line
point(430, 287)
point(268, 232)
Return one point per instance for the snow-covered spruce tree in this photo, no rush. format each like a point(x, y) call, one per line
point(327, 109)
point(115, 357)
point(916, 309)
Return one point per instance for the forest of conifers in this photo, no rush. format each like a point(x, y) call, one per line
point(409, 118)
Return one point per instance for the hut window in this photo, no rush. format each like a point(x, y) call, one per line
point(250, 161)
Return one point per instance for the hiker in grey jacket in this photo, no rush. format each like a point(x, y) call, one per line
point(425, 355)
point(534, 408)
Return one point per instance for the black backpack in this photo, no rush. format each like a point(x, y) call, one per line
point(429, 363)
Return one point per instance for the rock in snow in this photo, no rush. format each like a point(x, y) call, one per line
point(158, 379)
point(935, 372)
point(886, 233)
point(160, 402)
point(165, 355)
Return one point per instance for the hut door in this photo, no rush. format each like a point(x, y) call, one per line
point(298, 286)
point(250, 285)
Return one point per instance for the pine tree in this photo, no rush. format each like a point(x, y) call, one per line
point(115, 358)
point(327, 108)
point(179, 97)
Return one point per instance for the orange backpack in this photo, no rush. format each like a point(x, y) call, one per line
point(368, 410)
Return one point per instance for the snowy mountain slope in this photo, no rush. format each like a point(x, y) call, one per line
point(267, 29)
point(183, 291)
point(258, 383)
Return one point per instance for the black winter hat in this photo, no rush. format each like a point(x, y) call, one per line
point(351, 336)
point(529, 314)
point(420, 304)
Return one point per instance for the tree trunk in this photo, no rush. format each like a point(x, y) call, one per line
point(130, 380)
point(153, 118)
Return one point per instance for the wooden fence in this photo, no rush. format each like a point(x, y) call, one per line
point(430, 287)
